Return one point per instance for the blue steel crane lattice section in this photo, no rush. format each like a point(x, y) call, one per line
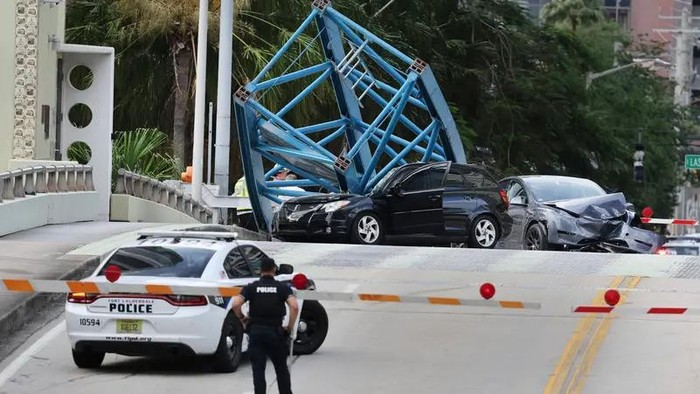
point(412, 122)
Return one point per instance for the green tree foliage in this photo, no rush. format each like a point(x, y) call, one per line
point(572, 14)
point(517, 90)
point(144, 151)
point(154, 42)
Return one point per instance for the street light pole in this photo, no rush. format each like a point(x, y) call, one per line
point(223, 97)
point(199, 109)
point(590, 77)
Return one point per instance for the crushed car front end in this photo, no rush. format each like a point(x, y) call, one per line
point(597, 224)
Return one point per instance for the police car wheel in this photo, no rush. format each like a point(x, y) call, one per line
point(87, 358)
point(228, 354)
point(313, 328)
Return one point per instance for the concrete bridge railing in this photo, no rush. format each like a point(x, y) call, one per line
point(150, 189)
point(23, 182)
point(47, 194)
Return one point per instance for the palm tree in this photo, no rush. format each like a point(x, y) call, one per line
point(572, 13)
point(176, 22)
point(154, 42)
point(154, 63)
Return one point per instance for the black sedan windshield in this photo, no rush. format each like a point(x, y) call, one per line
point(548, 189)
point(392, 177)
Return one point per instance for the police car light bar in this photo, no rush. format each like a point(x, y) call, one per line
point(213, 235)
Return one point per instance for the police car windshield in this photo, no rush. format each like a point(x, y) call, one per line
point(171, 261)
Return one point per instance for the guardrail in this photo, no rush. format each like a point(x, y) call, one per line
point(150, 189)
point(61, 178)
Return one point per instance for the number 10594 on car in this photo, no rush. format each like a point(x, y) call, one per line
point(89, 322)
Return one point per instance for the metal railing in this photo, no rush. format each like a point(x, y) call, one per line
point(60, 178)
point(150, 189)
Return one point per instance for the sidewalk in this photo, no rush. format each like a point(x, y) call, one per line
point(66, 251)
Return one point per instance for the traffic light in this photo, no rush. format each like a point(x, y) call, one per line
point(638, 170)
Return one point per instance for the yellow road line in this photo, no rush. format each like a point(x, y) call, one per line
point(578, 379)
point(561, 370)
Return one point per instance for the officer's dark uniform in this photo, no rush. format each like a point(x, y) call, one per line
point(267, 298)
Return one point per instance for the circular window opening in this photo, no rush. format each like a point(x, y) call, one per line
point(81, 77)
point(80, 152)
point(80, 116)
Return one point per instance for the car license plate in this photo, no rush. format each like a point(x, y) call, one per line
point(129, 326)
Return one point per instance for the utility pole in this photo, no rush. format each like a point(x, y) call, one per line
point(223, 100)
point(684, 59)
point(200, 102)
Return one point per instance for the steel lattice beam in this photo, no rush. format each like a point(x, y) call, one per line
point(351, 68)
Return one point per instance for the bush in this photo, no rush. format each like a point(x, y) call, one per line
point(143, 151)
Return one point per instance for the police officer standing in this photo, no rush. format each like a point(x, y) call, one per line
point(267, 337)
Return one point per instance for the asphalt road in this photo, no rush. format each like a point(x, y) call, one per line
point(409, 348)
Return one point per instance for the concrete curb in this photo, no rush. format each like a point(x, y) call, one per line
point(31, 307)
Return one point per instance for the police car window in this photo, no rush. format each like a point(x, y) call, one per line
point(236, 266)
point(171, 261)
point(254, 256)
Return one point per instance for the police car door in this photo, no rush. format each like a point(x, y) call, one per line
point(237, 270)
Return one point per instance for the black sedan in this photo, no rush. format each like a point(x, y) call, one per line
point(440, 202)
point(568, 213)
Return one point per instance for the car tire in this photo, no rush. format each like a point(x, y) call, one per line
point(313, 328)
point(228, 353)
point(88, 358)
point(535, 237)
point(484, 232)
point(367, 229)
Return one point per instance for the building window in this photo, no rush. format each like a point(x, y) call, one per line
point(617, 10)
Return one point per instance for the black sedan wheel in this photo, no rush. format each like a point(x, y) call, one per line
point(535, 238)
point(484, 233)
point(367, 229)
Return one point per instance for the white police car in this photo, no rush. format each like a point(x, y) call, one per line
point(144, 325)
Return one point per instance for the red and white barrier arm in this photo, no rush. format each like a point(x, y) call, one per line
point(683, 222)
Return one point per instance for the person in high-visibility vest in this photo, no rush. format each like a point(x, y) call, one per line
point(241, 189)
point(245, 215)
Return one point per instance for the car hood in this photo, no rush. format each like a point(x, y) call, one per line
point(323, 198)
point(607, 207)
